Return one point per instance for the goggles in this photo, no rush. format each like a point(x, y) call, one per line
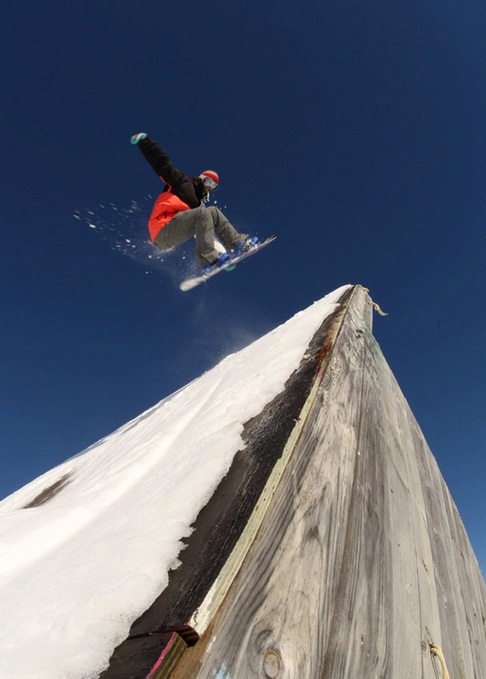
point(209, 184)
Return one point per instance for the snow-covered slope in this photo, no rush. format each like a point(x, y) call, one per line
point(79, 568)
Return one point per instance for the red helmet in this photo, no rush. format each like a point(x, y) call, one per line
point(210, 179)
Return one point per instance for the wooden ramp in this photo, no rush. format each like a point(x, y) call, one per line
point(331, 550)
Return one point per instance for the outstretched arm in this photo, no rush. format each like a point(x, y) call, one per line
point(160, 162)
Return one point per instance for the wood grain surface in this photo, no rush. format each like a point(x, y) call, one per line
point(361, 561)
point(213, 553)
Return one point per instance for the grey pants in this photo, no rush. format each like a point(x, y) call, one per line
point(202, 222)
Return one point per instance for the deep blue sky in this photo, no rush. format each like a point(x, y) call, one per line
point(355, 131)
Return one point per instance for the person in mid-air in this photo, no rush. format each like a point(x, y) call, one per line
point(180, 212)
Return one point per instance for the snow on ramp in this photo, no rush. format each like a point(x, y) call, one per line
point(80, 563)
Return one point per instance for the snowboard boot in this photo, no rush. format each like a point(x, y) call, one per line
point(224, 258)
point(245, 245)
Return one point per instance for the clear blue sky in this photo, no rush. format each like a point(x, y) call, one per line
point(355, 131)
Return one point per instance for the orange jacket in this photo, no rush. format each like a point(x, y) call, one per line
point(180, 193)
point(166, 206)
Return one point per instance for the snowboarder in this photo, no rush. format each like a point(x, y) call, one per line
point(180, 212)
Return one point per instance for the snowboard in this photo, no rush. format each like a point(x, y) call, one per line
point(191, 283)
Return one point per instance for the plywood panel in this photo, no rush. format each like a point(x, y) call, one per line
point(207, 563)
point(361, 561)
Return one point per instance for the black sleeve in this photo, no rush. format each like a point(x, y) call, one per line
point(160, 162)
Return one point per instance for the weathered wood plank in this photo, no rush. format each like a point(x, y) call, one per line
point(361, 561)
point(220, 524)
